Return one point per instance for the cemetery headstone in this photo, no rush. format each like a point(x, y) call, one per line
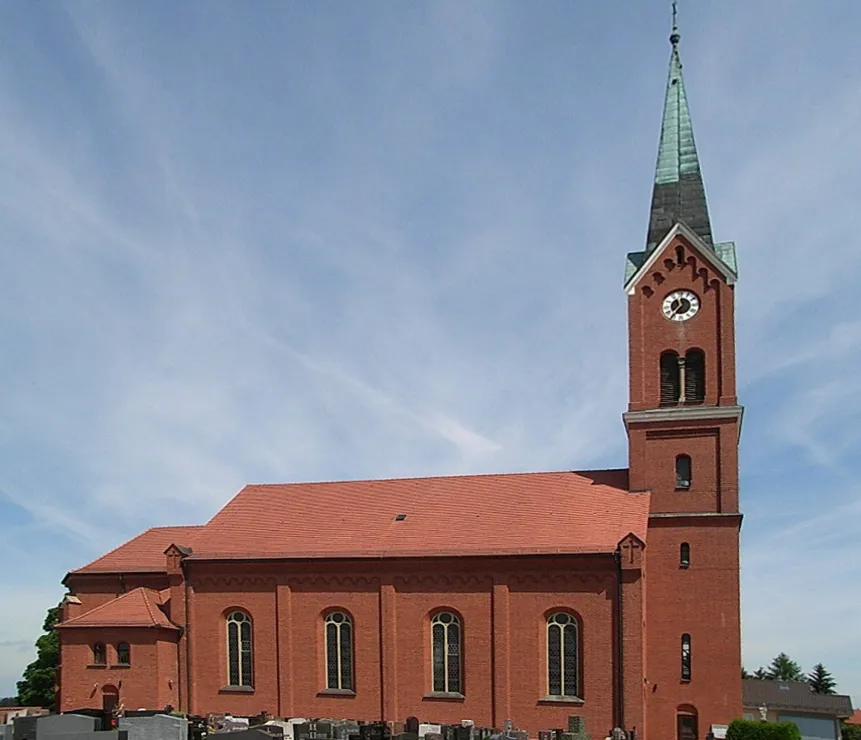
point(155, 727)
point(64, 724)
point(24, 728)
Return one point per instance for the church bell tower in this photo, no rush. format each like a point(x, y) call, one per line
point(683, 424)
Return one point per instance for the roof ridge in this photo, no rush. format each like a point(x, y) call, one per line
point(432, 477)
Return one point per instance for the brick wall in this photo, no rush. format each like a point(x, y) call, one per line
point(142, 684)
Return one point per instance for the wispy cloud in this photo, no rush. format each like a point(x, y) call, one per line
point(271, 244)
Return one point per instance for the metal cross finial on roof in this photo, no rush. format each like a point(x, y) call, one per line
point(675, 36)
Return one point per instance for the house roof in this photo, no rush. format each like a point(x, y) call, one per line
point(855, 719)
point(137, 608)
point(141, 554)
point(794, 696)
point(528, 513)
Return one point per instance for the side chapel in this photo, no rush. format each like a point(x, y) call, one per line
point(610, 594)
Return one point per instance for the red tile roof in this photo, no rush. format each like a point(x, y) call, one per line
point(527, 513)
point(137, 608)
point(506, 514)
point(143, 553)
point(855, 719)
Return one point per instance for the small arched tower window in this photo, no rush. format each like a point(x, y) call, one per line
point(563, 654)
point(239, 655)
point(685, 555)
point(445, 646)
point(686, 657)
point(339, 651)
point(684, 472)
point(680, 255)
point(670, 379)
point(99, 654)
point(123, 654)
point(695, 376)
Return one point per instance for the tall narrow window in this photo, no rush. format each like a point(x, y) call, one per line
point(683, 472)
point(670, 379)
point(563, 655)
point(339, 651)
point(99, 654)
point(695, 376)
point(445, 645)
point(680, 255)
point(684, 555)
point(686, 657)
point(123, 654)
point(239, 655)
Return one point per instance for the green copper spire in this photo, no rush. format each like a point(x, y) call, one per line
point(679, 194)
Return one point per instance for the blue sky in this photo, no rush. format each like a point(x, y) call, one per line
point(254, 242)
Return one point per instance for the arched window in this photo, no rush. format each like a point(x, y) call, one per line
point(445, 645)
point(686, 657)
point(670, 379)
point(123, 654)
point(680, 255)
point(339, 651)
point(684, 555)
point(683, 472)
point(695, 376)
point(563, 655)
point(99, 654)
point(239, 655)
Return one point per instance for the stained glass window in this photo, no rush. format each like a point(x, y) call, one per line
point(240, 668)
point(563, 655)
point(446, 648)
point(339, 651)
point(686, 657)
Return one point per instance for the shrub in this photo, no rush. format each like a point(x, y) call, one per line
point(745, 729)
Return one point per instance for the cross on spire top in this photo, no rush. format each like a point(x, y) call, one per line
point(675, 36)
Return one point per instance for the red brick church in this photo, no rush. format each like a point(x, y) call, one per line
point(610, 594)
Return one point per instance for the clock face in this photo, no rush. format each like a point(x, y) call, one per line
point(681, 305)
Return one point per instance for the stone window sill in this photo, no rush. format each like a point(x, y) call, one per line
point(97, 665)
point(121, 665)
point(236, 690)
point(336, 692)
point(551, 699)
point(444, 696)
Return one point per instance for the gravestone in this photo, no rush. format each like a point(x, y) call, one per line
point(24, 728)
point(155, 727)
point(576, 723)
point(252, 733)
point(426, 728)
point(65, 724)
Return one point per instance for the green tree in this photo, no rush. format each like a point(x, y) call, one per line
point(9, 701)
point(821, 681)
point(36, 687)
point(785, 669)
point(850, 732)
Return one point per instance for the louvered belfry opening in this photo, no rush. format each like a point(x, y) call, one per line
point(670, 379)
point(695, 376)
